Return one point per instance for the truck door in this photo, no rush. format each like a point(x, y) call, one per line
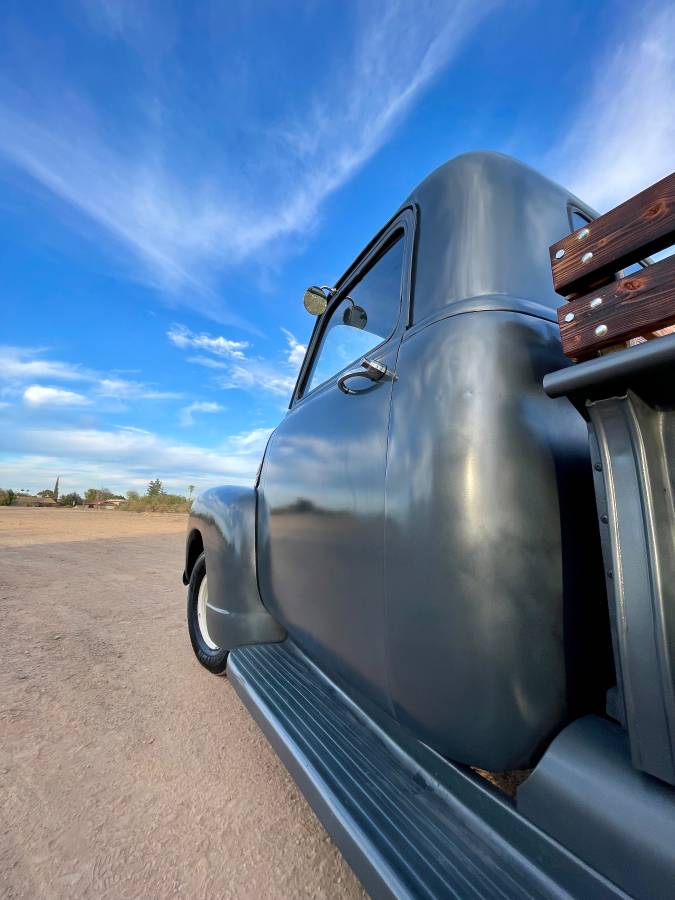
point(321, 491)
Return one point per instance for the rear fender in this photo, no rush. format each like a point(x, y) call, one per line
point(222, 522)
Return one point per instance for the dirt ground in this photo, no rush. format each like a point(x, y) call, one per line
point(126, 770)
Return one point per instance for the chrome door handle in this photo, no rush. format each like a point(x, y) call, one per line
point(374, 371)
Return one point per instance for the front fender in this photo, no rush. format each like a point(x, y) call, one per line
point(225, 519)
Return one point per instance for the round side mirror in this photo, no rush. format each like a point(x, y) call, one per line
point(315, 301)
point(355, 316)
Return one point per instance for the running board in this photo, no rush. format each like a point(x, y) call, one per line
point(409, 823)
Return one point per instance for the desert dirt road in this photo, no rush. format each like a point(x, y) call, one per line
point(126, 770)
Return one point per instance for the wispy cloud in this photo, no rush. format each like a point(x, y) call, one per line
point(187, 413)
point(254, 440)
point(296, 350)
point(183, 224)
point(121, 459)
point(236, 369)
point(622, 138)
point(123, 390)
point(39, 395)
point(28, 363)
point(21, 365)
point(261, 376)
point(182, 337)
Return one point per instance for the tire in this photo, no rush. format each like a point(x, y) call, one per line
point(207, 652)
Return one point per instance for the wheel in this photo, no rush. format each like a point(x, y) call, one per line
point(206, 650)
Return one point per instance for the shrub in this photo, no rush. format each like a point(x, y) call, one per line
point(167, 503)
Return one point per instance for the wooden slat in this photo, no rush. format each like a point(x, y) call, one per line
point(636, 305)
point(637, 228)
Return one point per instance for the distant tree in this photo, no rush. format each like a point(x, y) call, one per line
point(47, 494)
point(155, 488)
point(191, 488)
point(73, 499)
point(55, 495)
point(93, 495)
point(133, 495)
point(7, 498)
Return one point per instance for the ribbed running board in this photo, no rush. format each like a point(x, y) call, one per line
point(408, 823)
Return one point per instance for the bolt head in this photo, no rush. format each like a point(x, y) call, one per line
point(583, 234)
point(601, 330)
point(569, 317)
point(559, 254)
point(595, 302)
point(587, 257)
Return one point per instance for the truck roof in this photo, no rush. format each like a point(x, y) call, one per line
point(486, 222)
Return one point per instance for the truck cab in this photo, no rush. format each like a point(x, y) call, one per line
point(422, 537)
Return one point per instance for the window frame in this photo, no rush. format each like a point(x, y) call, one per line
point(404, 221)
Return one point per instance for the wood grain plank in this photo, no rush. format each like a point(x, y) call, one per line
point(642, 225)
point(636, 305)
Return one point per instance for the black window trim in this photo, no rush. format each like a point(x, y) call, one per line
point(404, 221)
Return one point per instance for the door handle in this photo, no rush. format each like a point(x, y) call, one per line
point(374, 371)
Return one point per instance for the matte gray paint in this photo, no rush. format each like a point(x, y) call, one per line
point(586, 794)
point(474, 604)
point(484, 227)
point(409, 823)
point(496, 633)
point(225, 518)
point(322, 506)
point(491, 598)
point(637, 449)
point(647, 368)
point(389, 589)
point(632, 426)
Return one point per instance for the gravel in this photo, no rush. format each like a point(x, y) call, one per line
point(126, 770)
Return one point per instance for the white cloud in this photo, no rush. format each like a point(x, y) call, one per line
point(296, 350)
point(623, 136)
point(239, 370)
point(120, 389)
point(19, 365)
point(182, 337)
point(260, 376)
point(121, 459)
point(26, 364)
point(37, 395)
point(183, 224)
point(186, 416)
point(207, 362)
point(251, 440)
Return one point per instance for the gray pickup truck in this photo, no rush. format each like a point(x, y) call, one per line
point(449, 597)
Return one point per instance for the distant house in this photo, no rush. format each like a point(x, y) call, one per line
point(30, 500)
point(111, 503)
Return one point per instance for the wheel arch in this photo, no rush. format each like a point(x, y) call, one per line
point(222, 524)
point(194, 547)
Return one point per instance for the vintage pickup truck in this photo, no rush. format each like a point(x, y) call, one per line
point(449, 597)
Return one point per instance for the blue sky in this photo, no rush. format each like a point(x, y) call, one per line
point(173, 175)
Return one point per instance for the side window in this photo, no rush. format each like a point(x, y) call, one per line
point(578, 219)
point(362, 319)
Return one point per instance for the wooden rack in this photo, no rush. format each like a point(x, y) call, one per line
point(605, 311)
